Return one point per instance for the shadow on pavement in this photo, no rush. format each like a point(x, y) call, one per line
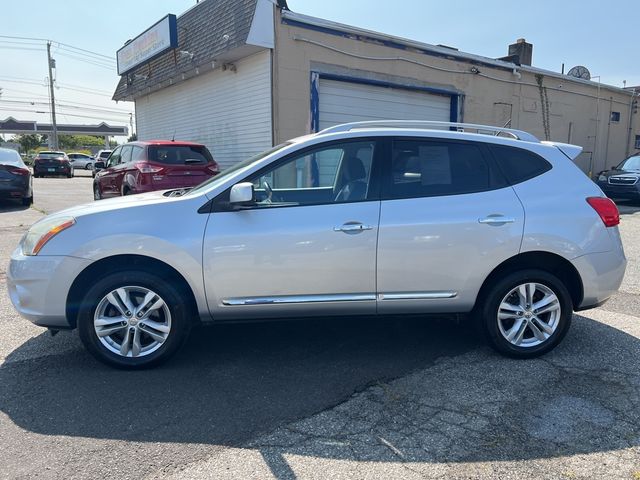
point(7, 205)
point(227, 383)
point(232, 383)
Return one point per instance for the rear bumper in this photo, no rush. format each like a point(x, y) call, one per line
point(601, 274)
point(14, 190)
point(57, 170)
point(38, 286)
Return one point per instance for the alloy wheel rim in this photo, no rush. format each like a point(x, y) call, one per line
point(529, 315)
point(132, 321)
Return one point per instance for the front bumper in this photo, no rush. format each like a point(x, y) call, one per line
point(627, 192)
point(39, 285)
point(601, 274)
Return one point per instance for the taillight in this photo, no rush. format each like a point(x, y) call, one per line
point(18, 171)
point(213, 169)
point(607, 210)
point(145, 167)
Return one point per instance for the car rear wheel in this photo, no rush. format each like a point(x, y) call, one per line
point(27, 201)
point(527, 313)
point(133, 320)
point(88, 166)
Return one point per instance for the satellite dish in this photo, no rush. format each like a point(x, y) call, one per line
point(579, 72)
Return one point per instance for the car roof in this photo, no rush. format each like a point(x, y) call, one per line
point(51, 151)
point(166, 143)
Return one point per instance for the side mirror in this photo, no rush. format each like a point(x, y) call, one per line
point(614, 167)
point(98, 165)
point(241, 194)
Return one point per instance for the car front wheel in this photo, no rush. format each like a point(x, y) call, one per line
point(527, 313)
point(133, 320)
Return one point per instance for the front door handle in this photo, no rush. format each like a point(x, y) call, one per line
point(352, 227)
point(496, 220)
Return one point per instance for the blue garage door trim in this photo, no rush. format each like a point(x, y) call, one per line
point(315, 93)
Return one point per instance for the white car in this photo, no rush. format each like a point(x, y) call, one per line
point(361, 219)
point(81, 160)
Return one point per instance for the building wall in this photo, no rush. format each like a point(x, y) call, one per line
point(228, 111)
point(492, 96)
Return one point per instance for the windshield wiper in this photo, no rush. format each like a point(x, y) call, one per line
point(178, 192)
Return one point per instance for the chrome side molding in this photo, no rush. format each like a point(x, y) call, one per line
point(358, 297)
point(416, 295)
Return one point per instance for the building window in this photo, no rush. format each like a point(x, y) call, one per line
point(638, 142)
point(615, 117)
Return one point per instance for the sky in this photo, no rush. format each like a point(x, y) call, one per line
point(601, 36)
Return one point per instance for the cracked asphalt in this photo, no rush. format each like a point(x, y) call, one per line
point(328, 398)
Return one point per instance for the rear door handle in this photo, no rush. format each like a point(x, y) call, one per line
point(496, 220)
point(352, 227)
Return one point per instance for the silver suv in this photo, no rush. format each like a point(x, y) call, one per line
point(369, 218)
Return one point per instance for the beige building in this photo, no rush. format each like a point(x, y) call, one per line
point(246, 74)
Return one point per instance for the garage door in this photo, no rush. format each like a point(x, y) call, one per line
point(228, 111)
point(343, 102)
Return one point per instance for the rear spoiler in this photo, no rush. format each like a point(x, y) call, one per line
point(570, 151)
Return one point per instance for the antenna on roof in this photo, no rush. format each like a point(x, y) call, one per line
point(173, 139)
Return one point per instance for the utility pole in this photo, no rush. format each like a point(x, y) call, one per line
point(54, 134)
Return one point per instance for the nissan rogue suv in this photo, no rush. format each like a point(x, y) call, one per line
point(370, 218)
point(140, 167)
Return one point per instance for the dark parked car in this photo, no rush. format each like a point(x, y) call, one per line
point(52, 163)
point(139, 167)
point(622, 181)
point(15, 177)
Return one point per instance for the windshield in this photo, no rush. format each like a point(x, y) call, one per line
point(631, 163)
point(213, 181)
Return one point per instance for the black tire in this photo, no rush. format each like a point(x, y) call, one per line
point(490, 307)
point(125, 192)
point(180, 319)
point(70, 175)
point(88, 166)
point(96, 192)
point(27, 201)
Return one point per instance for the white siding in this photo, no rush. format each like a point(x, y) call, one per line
point(229, 112)
point(343, 102)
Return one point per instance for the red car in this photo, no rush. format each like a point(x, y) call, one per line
point(139, 167)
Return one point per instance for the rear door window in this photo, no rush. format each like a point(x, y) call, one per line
point(517, 164)
point(431, 167)
point(126, 154)
point(179, 154)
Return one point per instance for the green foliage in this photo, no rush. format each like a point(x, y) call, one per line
point(73, 142)
point(28, 142)
point(132, 138)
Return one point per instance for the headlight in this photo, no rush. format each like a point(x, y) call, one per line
point(602, 178)
point(43, 231)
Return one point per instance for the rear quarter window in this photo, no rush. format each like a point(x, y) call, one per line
point(517, 164)
point(179, 154)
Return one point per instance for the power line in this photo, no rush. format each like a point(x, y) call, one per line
point(63, 102)
point(84, 60)
point(11, 37)
point(65, 105)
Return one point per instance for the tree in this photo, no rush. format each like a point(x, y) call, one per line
point(69, 142)
point(28, 142)
point(133, 137)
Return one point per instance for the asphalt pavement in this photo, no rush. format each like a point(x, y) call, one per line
point(328, 398)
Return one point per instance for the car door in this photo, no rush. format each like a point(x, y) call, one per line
point(107, 177)
point(120, 170)
point(447, 219)
point(304, 247)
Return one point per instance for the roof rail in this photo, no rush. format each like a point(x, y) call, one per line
point(425, 124)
